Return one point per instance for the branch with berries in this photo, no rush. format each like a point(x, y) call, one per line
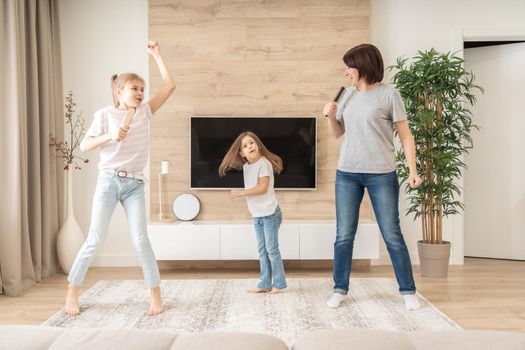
point(67, 149)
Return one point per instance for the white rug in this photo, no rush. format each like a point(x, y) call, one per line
point(224, 305)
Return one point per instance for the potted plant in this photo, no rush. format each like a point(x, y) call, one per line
point(437, 91)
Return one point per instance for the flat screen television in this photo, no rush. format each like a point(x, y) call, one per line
point(291, 138)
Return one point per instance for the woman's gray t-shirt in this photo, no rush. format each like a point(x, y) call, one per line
point(368, 118)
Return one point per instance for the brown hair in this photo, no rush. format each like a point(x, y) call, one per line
point(233, 159)
point(367, 59)
point(119, 80)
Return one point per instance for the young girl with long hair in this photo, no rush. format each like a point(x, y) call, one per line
point(258, 164)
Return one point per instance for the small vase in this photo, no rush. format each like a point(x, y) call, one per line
point(70, 237)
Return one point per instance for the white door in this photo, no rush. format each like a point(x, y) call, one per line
point(495, 180)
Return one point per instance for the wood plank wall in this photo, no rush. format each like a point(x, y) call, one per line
point(250, 57)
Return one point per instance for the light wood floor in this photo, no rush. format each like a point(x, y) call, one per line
point(482, 294)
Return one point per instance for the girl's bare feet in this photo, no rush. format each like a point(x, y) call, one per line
point(257, 290)
point(275, 290)
point(155, 307)
point(72, 307)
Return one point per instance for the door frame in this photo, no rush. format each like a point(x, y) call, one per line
point(459, 36)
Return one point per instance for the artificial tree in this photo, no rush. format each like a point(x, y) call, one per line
point(437, 91)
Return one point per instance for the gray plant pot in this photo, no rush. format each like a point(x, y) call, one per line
point(433, 259)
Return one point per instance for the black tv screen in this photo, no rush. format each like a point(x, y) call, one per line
point(291, 138)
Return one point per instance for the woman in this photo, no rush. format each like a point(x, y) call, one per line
point(367, 115)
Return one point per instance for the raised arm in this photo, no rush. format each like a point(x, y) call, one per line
point(90, 143)
point(169, 84)
point(336, 128)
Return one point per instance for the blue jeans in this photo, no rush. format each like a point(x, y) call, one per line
point(271, 264)
point(383, 190)
point(130, 192)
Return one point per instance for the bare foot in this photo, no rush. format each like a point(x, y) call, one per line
point(72, 307)
point(257, 290)
point(275, 290)
point(155, 307)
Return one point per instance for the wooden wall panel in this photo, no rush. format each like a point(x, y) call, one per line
point(250, 57)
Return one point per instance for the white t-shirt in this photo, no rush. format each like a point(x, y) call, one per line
point(262, 204)
point(130, 154)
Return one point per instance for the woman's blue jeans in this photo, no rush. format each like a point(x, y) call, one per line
point(130, 192)
point(271, 263)
point(383, 190)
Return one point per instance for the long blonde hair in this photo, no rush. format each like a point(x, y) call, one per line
point(234, 160)
point(119, 80)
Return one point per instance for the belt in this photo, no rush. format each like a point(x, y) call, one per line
point(124, 173)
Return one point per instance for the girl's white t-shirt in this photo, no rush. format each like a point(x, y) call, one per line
point(130, 154)
point(262, 204)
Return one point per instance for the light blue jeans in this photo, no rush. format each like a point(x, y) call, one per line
point(130, 192)
point(271, 263)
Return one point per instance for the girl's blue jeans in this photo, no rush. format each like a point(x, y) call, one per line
point(383, 190)
point(271, 263)
point(130, 192)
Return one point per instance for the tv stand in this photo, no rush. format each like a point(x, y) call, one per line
point(235, 240)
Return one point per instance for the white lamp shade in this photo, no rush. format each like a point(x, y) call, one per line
point(164, 167)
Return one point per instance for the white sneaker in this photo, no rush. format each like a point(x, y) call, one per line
point(335, 300)
point(411, 302)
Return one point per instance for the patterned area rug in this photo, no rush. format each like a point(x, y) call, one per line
point(224, 305)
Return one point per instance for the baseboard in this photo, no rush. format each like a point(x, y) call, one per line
point(123, 260)
point(132, 260)
point(359, 264)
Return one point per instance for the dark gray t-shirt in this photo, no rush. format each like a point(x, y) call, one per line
point(368, 118)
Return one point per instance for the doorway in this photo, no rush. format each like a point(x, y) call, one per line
point(494, 183)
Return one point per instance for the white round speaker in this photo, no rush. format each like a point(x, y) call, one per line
point(186, 207)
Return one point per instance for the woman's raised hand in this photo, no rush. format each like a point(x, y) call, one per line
point(330, 109)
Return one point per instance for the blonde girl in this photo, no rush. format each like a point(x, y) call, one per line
point(120, 133)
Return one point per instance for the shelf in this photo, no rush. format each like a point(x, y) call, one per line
point(235, 240)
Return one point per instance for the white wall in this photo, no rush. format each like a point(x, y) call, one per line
point(100, 38)
point(104, 37)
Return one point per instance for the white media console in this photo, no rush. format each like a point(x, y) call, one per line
point(301, 240)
